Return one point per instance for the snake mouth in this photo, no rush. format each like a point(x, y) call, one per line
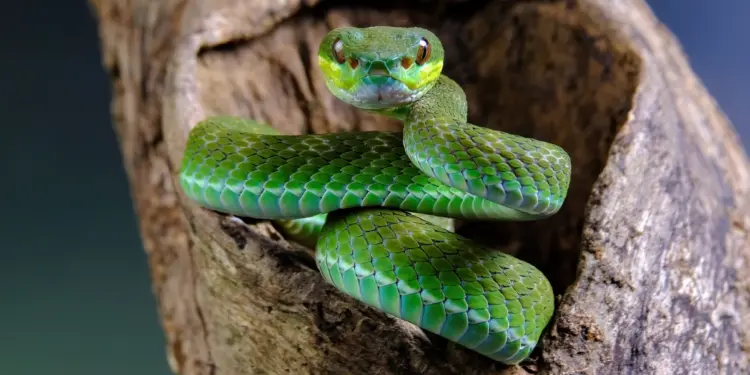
point(381, 91)
point(380, 88)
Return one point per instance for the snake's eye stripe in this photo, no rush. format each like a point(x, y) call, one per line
point(423, 52)
point(338, 51)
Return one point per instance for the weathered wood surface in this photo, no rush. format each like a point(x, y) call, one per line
point(649, 255)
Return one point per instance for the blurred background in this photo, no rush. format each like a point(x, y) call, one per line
point(81, 304)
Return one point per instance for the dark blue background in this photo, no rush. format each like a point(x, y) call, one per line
point(81, 304)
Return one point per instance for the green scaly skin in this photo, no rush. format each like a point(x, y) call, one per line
point(377, 206)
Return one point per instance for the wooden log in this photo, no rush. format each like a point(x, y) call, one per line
point(649, 257)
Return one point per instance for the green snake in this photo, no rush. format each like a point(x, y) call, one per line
point(378, 206)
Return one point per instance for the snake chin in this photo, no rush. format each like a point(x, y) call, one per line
point(381, 92)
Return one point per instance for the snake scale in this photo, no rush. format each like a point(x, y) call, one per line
point(378, 206)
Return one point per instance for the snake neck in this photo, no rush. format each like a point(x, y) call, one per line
point(446, 101)
point(430, 124)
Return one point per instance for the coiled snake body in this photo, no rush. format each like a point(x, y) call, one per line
point(377, 206)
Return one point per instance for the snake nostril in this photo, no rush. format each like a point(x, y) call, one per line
point(406, 62)
point(354, 63)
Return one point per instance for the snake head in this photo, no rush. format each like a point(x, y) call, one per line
point(381, 67)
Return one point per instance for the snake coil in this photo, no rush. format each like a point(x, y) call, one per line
point(378, 206)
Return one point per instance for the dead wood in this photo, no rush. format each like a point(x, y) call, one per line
point(649, 255)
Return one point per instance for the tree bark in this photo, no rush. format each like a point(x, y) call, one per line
point(649, 257)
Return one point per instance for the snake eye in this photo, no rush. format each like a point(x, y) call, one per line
point(338, 51)
point(424, 51)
